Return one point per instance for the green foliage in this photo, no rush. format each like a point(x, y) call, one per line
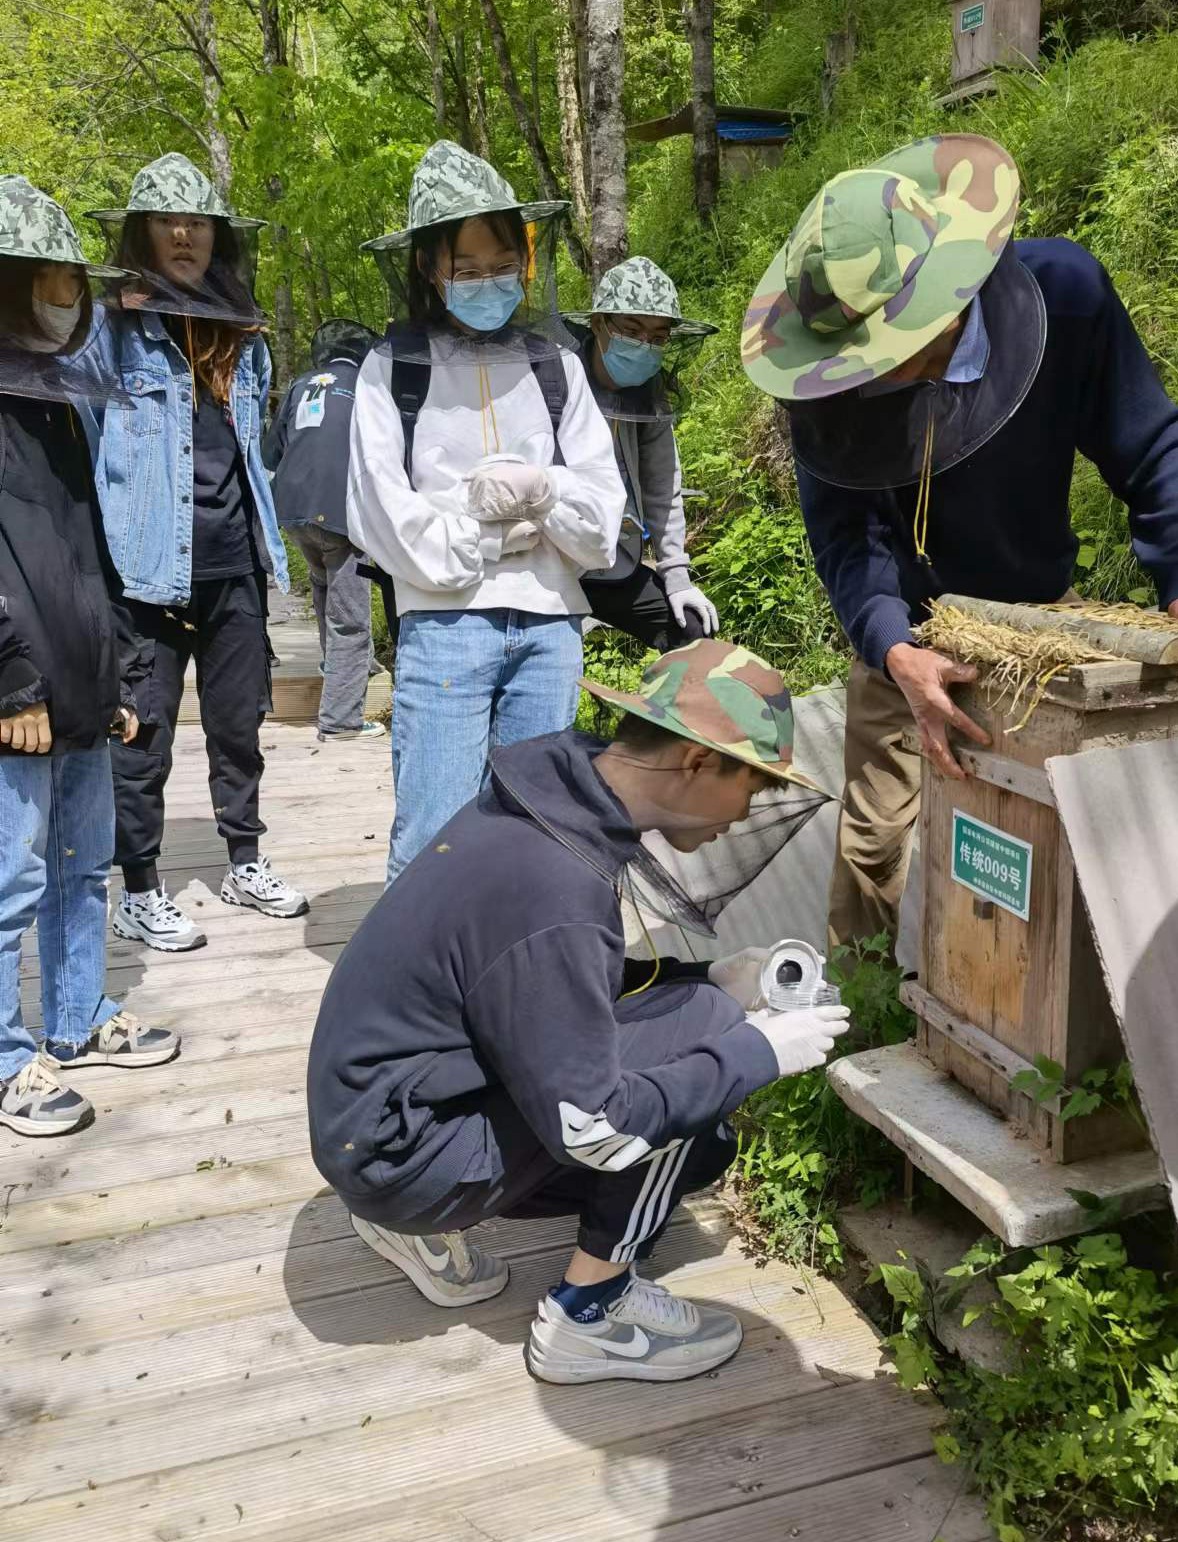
point(1087, 1422)
point(802, 1152)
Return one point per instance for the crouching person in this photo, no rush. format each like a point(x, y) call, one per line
point(485, 1049)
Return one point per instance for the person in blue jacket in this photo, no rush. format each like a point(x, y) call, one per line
point(485, 1048)
point(940, 379)
point(191, 527)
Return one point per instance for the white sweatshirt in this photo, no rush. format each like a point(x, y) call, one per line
point(440, 556)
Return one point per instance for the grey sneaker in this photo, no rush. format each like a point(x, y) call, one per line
point(366, 730)
point(646, 1335)
point(256, 885)
point(34, 1102)
point(156, 919)
point(122, 1040)
point(446, 1269)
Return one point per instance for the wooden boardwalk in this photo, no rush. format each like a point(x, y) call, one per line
point(194, 1345)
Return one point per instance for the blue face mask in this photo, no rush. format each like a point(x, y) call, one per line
point(484, 304)
point(629, 362)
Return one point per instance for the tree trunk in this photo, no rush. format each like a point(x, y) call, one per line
point(314, 314)
point(571, 125)
point(220, 159)
point(437, 66)
point(607, 134)
point(462, 91)
point(579, 22)
point(701, 25)
point(274, 58)
point(482, 137)
point(528, 127)
point(838, 56)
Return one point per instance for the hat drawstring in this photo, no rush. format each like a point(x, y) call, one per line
point(923, 496)
point(648, 939)
point(487, 404)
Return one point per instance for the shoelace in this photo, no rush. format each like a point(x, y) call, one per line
point(261, 877)
point(459, 1251)
point(121, 1022)
point(160, 905)
point(35, 1077)
point(655, 1305)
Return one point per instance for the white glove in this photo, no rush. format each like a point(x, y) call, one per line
point(503, 488)
point(682, 596)
point(740, 975)
point(520, 537)
point(801, 1041)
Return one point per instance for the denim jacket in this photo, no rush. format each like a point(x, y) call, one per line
point(143, 455)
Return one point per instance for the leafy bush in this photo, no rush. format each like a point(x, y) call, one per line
point(1087, 1425)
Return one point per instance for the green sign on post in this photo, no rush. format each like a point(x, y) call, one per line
point(972, 17)
point(992, 864)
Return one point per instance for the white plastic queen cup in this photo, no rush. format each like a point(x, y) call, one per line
point(793, 978)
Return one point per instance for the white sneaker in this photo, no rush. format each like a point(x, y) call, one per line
point(255, 885)
point(446, 1269)
point(157, 920)
point(647, 1334)
point(122, 1040)
point(366, 730)
point(34, 1102)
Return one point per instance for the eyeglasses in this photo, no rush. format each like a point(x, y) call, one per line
point(503, 277)
point(633, 332)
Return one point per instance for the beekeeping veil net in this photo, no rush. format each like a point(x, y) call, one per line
point(638, 288)
point(190, 254)
point(47, 336)
point(339, 337)
point(448, 306)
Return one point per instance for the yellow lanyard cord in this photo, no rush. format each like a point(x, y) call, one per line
point(487, 405)
point(649, 940)
point(924, 495)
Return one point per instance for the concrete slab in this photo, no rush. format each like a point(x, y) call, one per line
point(1117, 806)
point(937, 1238)
point(1015, 1191)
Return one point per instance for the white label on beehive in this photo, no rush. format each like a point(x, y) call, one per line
point(992, 864)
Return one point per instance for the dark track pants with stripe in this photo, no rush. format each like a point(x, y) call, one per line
point(622, 1215)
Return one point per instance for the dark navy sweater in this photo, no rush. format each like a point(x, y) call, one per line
point(999, 525)
point(487, 975)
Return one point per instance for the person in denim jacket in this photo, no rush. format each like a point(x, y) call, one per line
point(191, 526)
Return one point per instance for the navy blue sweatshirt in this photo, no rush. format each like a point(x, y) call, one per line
point(306, 447)
point(999, 525)
point(491, 967)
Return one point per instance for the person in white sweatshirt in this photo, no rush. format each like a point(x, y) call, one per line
point(482, 478)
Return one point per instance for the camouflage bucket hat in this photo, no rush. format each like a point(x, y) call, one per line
point(722, 696)
point(638, 287)
point(880, 263)
point(32, 225)
point(173, 185)
point(452, 184)
point(339, 337)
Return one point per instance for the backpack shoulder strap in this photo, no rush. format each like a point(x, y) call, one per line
point(548, 368)
point(408, 381)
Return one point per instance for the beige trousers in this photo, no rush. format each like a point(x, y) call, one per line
point(881, 802)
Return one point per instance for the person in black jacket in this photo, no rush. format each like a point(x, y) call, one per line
point(306, 449)
point(63, 691)
point(484, 1048)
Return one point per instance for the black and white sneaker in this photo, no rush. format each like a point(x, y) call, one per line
point(647, 1334)
point(34, 1102)
point(446, 1269)
point(156, 919)
point(256, 885)
point(122, 1040)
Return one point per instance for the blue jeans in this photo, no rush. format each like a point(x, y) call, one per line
point(466, 683)
point(57, 839)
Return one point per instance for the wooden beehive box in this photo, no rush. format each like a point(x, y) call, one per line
point(1008, 967)
point(987, 33)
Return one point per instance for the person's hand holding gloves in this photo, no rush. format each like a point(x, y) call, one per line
point(505, 488)
point(740, 975)
point(801, 1041)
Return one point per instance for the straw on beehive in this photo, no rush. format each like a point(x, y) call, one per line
point(1119, 615)
point(1014, 664)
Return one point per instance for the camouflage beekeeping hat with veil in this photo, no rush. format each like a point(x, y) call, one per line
point(639, 287)
point(881, 263)
point(35, 231)
point(451, 185)
point(222, 291)
point(729, 700)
